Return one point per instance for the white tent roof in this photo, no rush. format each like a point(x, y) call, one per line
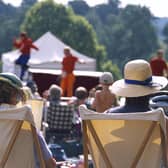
point(49, 56)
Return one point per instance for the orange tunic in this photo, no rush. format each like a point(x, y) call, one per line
point(68, 78)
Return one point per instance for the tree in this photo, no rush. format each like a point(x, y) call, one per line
point(28, 3)
point(165, 33)
point(80, 7)
point(108, 66)
point(60, 20)
point(134, 37)
point(11, 18)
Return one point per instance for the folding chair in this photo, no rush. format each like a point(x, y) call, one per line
point(59, 119)
point(18, 140)
point(37, 106)
point(127, 140)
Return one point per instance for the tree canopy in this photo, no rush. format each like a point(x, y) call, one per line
point(60, 20)
point(107, 32)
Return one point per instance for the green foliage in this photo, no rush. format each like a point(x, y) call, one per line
point(165, 33)
point(108, 66)
point(60, 20)
point(80, 7)
point(124, 33)
point(139, 37)
point(10, 19)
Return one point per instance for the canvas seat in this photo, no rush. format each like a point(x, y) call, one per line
point(124, 140)
point(19, 139)
point(37, 106)
point(59, 119)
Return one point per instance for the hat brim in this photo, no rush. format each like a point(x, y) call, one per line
point(120, 88)
point(9, 82)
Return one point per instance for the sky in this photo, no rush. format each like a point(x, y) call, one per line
point(157, 7)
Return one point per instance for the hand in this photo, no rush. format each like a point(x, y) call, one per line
point(51, 163)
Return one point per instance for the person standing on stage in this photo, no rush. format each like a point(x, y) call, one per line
point(67, 76)
point(24, 44)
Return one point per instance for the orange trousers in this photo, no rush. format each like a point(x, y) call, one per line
point(67, 83)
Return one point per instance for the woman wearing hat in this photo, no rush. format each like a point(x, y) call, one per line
point(137, 87)
point(11, 93)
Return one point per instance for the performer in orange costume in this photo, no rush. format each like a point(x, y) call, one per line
point(68, 78)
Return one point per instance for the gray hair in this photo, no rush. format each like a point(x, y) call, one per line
point(55, 92)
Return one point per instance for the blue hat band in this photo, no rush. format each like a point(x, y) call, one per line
point(147, 82)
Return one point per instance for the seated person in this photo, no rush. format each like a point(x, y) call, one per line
point(137, 87)
point(81, 95)
point(11, 94)
point(160, 100)
point(104, 98)
point(59, 114)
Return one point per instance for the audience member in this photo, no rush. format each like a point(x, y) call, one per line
point(90, 98)
point(52, 100)
point(81, 95)
point(104, 98)
point(55, 93)
point(137, 87)
point(158, 64)
point(68, 77)
point(59, 114)
point(28, 93)
point(34, 89)
point(11, 94)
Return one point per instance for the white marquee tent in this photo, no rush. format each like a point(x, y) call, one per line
point(49, 56)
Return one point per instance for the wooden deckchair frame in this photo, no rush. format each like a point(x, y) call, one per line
point(87, 124)
point(12, 142)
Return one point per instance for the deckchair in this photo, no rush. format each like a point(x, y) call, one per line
point(18, 140)
point(37, 106)
point(59, 119)
point(124, 140)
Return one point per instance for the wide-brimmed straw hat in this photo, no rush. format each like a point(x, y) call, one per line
point(11, 79)
point(138, 80)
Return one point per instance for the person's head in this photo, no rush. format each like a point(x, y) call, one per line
point(54, 92)
point(67, 51)
point(33, 86)
point(138, 80)
point(28, 93)
point(160, 53)
point(23, 35)
point(81, 93)
point(106, 78)
point(10, 89)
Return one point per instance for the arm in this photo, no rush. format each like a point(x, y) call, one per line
point(17, 43)
point(32, 45)
point(49, 160)
point(95, 101)
point(35, 47)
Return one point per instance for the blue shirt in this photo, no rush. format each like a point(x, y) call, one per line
point(132, 104)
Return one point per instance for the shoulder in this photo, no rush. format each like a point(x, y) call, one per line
point(74, 57)
point(29, 40)
point(119, 109)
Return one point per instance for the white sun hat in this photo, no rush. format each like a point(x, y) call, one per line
point(138, 80)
